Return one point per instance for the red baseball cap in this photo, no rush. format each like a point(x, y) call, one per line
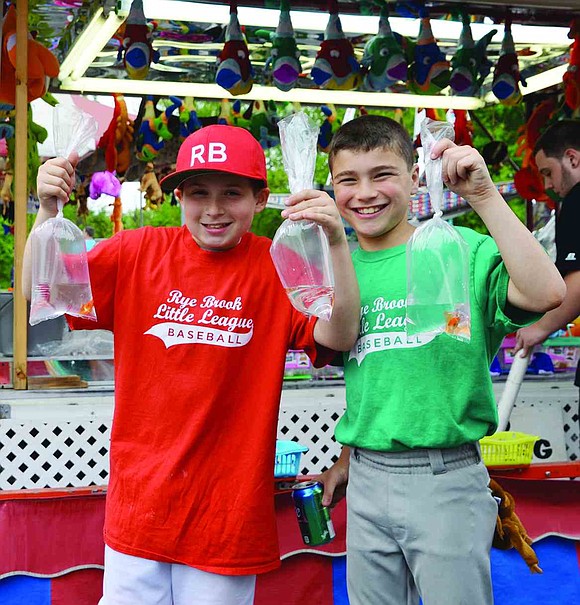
point(218, 148)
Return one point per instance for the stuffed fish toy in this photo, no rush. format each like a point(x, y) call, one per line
point(470, 65)
point(137, 51)
point(234, 70)
point(383, 57)
point(428, 68)
point(572, 75)
point(283, 64)
point(506, 77)
point(335, 67)
point(263, 123)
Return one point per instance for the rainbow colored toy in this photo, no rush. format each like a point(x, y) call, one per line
point(234, 70)
point(137, 51)
point(506, 77)
point(335, 67)
point(383, 57)
point(470, 65)
point(283, 64)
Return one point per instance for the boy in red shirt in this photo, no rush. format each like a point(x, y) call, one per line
point(202, 326)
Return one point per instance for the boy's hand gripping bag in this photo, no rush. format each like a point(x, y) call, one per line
point(437, 258)
point(300, 249)
point(60, 271)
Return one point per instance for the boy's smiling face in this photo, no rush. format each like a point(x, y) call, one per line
point(219, 208)
point(372, 191)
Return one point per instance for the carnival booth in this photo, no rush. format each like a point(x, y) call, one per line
point(137, 77)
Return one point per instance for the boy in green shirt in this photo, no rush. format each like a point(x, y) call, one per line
point(420, 514)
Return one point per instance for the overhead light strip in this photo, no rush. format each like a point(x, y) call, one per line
point(270, 93)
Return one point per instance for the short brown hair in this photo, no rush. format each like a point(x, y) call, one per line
point(562, 135)
point(370, 132)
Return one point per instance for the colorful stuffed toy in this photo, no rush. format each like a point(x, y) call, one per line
point(137, 51)
point(42, 64)
point(509, 531)
point(384, 59)
point(428, 68)
point(117, 215)
point(527, 180)
point(506, 76)
point(328, 127)
point(154, 130)
point(572, 75)
point(470, 65)
point(117, 139)
point(335, 67)
point(188, 120)
point(149, 185)
point(283, 64)
point(104, 183)
point(463, 128)
point(263, 124)
point(234, 70)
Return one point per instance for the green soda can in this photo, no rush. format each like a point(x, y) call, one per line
point(314, 519)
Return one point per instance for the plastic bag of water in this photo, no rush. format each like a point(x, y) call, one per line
point(60, 270)
point(437, 258)
point(300, 249)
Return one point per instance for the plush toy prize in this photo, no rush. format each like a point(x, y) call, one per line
point(137, 52)
point(335, 67)
point(428, 68)
point(283, 64)
point(507, 77)
point(383, 57)
point(116, 140)
point(572, 75)
point(234, 70)
point(42, 64)
point(470, 65)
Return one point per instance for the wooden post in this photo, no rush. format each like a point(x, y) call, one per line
point(19, 369)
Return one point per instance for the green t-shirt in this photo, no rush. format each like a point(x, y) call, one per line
point(415, 391)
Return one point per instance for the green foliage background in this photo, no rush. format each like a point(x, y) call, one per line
point(502, 122)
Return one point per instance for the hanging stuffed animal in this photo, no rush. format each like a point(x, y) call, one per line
point(104, 183)
point(42, 64)
point(81, 197)
point(149, 185)
point(335, 67)
point(234, 70)
point(263, 124)
point(383, 57)
point(137, 51)
point(328, 127)
point(117, 215)
point(572, 75)
point(153, 131)
point(528, 181)
point(506, 77)
point(188, 120)
point(117, 139)
point(283, 64)
point(470, 65)
point(428, 68)
point(463, 128)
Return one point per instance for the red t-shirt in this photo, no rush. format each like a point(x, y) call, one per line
point(200, 345)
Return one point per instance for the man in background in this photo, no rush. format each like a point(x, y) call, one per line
point(557, 155)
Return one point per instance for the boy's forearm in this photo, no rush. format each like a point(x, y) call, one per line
point(535, 284)
point(341, 331)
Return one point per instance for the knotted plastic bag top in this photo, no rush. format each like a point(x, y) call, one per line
point(300, 249)
point(60, 271)
point(437, 258)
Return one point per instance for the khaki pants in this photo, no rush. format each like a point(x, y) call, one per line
point(420, 525)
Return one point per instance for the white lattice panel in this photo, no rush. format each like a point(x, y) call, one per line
point(311, 421)
point(53, 454)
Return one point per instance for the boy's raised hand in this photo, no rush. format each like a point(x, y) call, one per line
point(55, 181)
point(464, 172)
point(319, 207)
